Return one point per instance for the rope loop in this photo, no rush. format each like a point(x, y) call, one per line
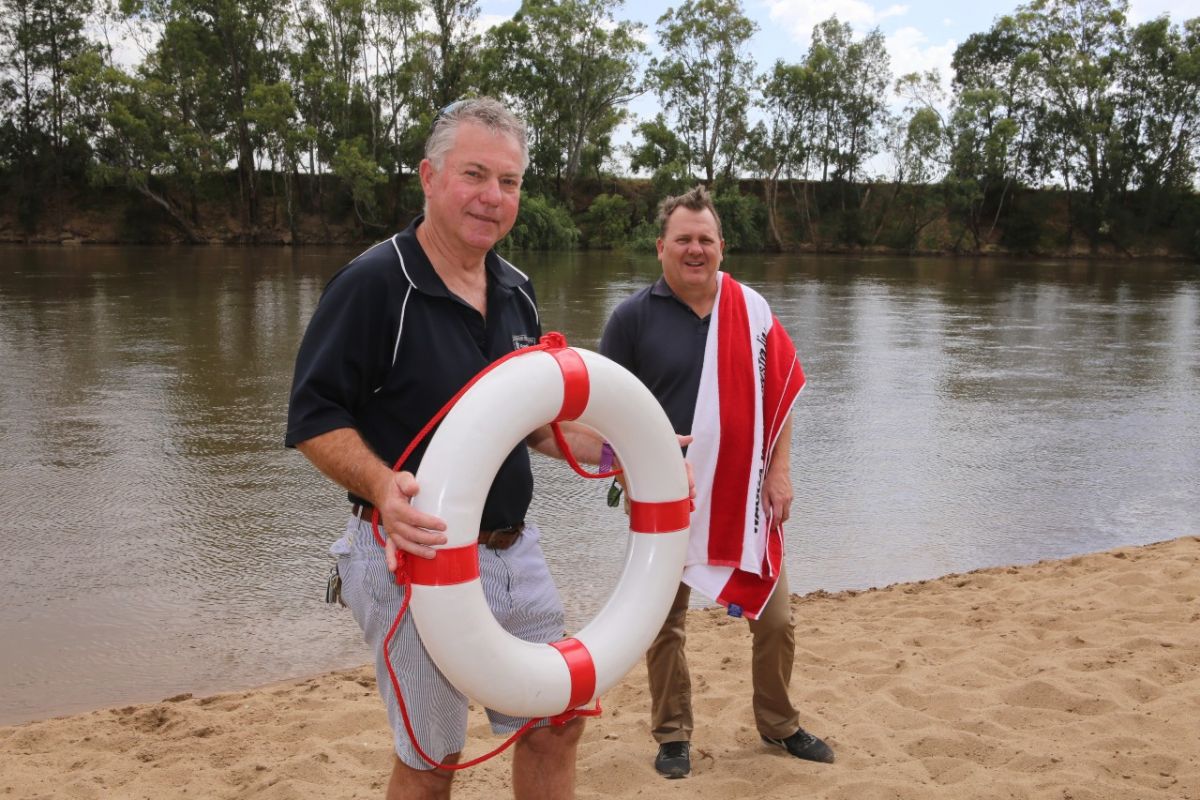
point(549, 341)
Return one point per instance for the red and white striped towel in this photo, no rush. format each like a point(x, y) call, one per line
point(748, 385)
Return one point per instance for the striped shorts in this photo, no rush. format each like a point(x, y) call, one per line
point(520, 592)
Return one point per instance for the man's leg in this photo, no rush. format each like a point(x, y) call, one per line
point(670, 682)
point(420, 784)
point(544, 762)
point(774, 652)
point(437, 711)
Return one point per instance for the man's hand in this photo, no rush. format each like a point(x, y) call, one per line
point(684, 441)
point(407, 529)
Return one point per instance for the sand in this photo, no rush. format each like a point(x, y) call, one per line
point(1073, 680)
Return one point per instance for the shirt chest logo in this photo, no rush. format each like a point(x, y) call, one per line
point(520, 340)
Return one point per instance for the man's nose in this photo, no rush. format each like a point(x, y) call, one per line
point(491, 193)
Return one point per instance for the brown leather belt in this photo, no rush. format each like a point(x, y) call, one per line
point(497, 539)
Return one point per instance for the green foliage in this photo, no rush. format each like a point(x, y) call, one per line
point(643, 238)
point(665, 155)
point(1024, 226)
point(743, 220)
point(542, 225)
point(851, 229)
point(704, 79)
point(849, 80)
point(337, 97)
point(606, 222)
point(571, 65)
point(362, 177)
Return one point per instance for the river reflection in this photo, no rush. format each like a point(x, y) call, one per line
point(159, 539)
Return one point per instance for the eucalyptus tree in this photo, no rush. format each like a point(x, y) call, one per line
point(271, 109)
point(663, 154)
point(145, 134)
point(24, 98)
point(850, 80)
point(220, 49)
point(393, 27)
point(789, 98)
point(919, 140)
point(993, 126)
point(452, 48)
point(40, 42)
point(704, 78)
point(571, 67)
point(1162, 82)
point(1075, 50)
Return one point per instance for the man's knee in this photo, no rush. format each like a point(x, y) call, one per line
point(552, 739)
point(409, 782)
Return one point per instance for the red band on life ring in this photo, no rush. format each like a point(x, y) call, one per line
point(450, 566)
point(582, 669)
point(673, 515)
point(576, 386)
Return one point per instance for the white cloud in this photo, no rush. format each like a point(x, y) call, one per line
point(911, 51)
point(799, 16)
point(485, 22)
point(1179, 10)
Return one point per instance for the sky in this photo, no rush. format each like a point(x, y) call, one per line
point(921, 34)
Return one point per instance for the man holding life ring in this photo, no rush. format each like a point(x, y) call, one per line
point(726, 372)
point(397, 332)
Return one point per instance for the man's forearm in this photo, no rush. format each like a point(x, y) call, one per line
point(781, 456)
point(584, 442)
point(343, 456)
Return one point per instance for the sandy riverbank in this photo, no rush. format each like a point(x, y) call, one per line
point(1075, 679)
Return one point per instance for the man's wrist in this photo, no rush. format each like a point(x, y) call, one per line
point(606, 457)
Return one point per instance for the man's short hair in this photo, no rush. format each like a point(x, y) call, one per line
point(696, 199)
point(484, 111)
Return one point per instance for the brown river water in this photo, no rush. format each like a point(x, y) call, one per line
point(159, 539)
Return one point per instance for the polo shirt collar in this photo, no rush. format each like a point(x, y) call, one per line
point(424, 278)
point(661, 288)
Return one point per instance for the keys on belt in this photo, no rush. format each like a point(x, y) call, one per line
point(496, 539)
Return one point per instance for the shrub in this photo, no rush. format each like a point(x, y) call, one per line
point(606, 222)
point(743, 220)
point(541, 225)
point(1024, 224)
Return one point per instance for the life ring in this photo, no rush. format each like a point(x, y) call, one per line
point(476, 655)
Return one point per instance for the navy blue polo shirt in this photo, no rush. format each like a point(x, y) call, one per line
point(389, 344)
point(658, 338)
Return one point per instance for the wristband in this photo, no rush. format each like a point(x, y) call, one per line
point(606, 457)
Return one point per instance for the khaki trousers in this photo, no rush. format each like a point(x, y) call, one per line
point(773, 652)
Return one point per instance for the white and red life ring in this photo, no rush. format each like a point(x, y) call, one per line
point(476, 655)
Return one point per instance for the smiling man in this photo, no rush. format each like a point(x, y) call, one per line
point(726, 372)
point(397, 332)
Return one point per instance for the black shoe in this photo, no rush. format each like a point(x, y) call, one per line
point(674, 760)
point(803, 744)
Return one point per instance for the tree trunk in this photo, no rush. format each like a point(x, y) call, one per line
point(193, 235)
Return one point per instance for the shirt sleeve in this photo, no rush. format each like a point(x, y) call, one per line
point(617, 340)
point(341, 359)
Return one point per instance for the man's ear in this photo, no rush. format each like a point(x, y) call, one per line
point(425, 170)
